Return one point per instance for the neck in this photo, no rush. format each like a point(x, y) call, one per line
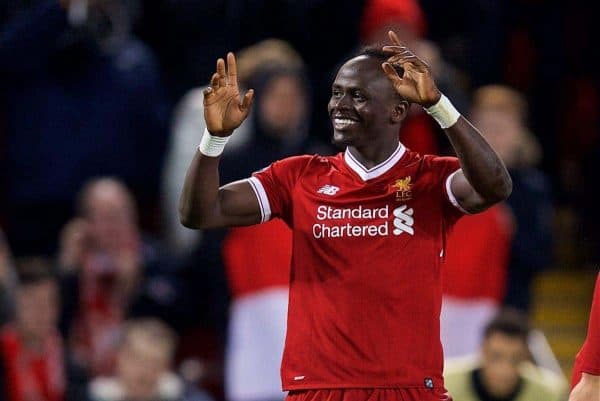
point(374, 153)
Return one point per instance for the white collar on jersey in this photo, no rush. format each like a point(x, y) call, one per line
point(375, 171)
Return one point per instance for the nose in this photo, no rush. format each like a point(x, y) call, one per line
point(343, 102)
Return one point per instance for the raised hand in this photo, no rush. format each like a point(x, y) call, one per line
point(416, 84)
point(223, 110)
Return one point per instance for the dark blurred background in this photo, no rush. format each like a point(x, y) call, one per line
point(101, 112)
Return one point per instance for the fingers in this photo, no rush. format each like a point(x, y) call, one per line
point(396, 49)
point(231, 69)
point(399, 59)
point(394, 38)
point(214, 81)
point(214, 85)
point(391, 73)
point(222, 76)
point(225, 76)
point(247, 101)
point(400, 54)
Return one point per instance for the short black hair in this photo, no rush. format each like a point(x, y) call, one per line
point(509, 322)
point(376, 51)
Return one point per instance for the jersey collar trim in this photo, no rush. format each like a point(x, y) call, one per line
point(375, 171)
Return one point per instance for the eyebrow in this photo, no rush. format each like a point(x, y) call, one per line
point(352, 88)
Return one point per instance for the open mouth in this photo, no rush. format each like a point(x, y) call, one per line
point(343, 122)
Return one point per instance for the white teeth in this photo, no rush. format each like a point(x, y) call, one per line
point(344, 121)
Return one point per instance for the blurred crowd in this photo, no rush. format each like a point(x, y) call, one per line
point(104, 296)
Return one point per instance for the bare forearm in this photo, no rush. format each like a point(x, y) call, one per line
point(588, 389)
point(198, 201)
point(481, 166)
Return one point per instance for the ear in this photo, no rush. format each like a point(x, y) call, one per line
point(400, 111)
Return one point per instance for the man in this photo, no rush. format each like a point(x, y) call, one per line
point(586, 373)
point(501, 114)
point(503, 371)
point(110, 273)
point(144, 368)
point(34, 363)
point(369, 226)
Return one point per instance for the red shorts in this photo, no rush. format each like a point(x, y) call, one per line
point(373, 394)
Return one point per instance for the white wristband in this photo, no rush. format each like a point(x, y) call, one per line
point(211, 145)
point(443, 112)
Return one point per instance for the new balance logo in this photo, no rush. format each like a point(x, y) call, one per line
point(403, 220)
point(328, 190)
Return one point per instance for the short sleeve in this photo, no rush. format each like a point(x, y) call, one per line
point(444, 169)
point(274, 186)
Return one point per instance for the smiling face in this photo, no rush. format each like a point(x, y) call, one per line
point(364, 105)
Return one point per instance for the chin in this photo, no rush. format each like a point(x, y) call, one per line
point(342, 139)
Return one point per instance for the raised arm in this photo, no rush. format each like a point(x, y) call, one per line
point(202, 203)
point(484, 179)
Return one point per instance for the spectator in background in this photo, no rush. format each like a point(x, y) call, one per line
point(34, 363)
point(144, 368)
point(7, 281)
point(109, 273)
point(475, 271)
point(82, 98)
point(501, 114)
point(503, 370)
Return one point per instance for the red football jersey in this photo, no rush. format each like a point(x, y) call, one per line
point(588, 359)
point(365, 289)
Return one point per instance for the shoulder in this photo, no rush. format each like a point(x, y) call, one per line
point(440, 162)
point(429, 162)
point(429, 170)
point(543, 383)
point(301, 163)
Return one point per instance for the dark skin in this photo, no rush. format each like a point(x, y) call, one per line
point(362, 93)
